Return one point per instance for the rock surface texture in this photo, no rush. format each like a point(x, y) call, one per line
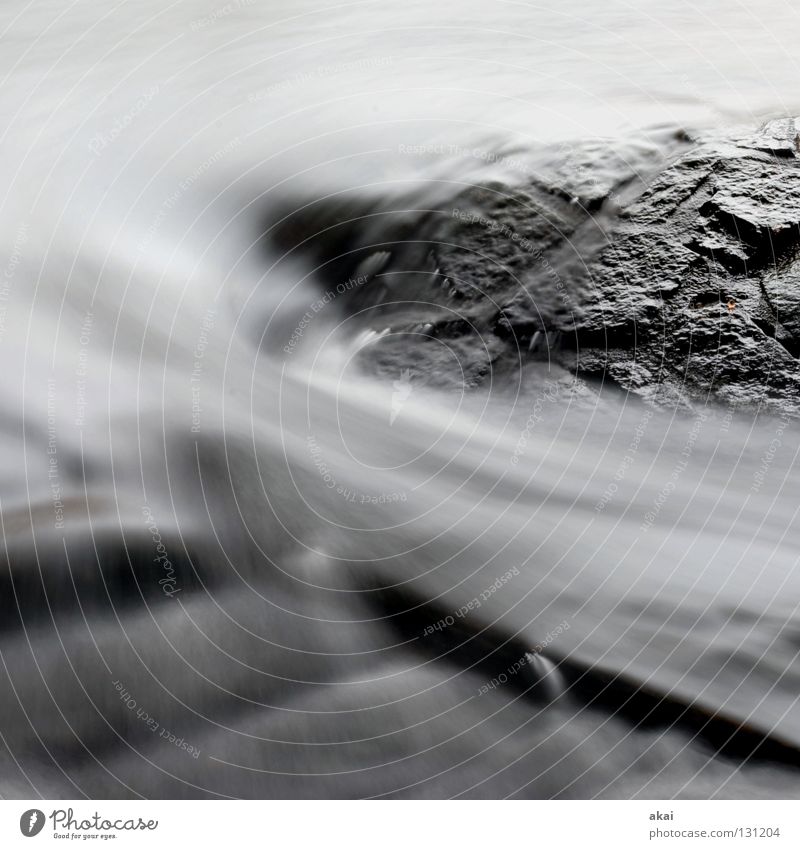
point(667, 267)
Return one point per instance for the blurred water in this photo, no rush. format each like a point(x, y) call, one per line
point(143, 148)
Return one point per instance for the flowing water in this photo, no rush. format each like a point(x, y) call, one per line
point(238, 565)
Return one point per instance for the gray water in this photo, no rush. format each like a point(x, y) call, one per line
point(235, 569)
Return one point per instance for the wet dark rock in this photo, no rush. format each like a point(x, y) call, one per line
point(700, 265)
point(669, 267)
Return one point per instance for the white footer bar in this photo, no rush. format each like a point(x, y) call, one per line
point(401, 825)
